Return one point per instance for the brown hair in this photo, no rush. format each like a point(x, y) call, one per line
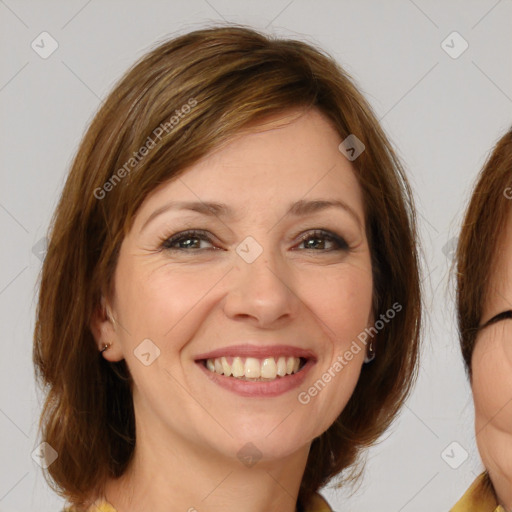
point(482, 227)
point(235, 77)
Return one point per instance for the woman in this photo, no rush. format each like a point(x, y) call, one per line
point(484, 299)
point(222, 318)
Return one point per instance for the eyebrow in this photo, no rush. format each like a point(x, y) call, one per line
point(497, 318)
point(212, 209)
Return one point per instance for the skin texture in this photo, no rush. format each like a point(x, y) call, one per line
point(492, 376)
point(189, 429)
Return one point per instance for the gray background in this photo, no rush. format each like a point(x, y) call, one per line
point(442, 113)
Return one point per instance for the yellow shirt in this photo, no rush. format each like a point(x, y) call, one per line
point(478, 499)
point(318, 504)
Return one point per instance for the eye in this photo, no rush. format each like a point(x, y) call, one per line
point(320, 234)
point(186, 240)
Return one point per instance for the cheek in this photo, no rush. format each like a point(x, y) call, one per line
point(159, 302)
point(165, 306)
point(492, 384)
point(343, 301)
point(492, 394)
point(344, 309)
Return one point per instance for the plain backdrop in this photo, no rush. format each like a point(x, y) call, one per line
point(443, 106)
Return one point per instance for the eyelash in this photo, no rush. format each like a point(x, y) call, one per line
point(167, 243)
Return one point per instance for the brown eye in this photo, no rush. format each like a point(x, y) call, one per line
point(323, 235)
point(186, 240)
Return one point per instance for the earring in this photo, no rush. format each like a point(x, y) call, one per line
point(105, 347)
point(370, 356)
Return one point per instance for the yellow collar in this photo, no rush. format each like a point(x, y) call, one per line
point(317, 504)
point(478, 498)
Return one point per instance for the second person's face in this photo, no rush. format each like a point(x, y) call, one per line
point(492, 374)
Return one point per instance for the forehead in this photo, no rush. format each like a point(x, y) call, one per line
point(285, 158)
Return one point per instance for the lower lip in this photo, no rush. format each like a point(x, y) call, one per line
point(260, 389)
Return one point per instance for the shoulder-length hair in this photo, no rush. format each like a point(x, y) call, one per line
point(188, 96)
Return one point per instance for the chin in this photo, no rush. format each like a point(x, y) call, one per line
point(279, 437)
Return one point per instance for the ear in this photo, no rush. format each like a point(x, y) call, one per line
point(105, 331)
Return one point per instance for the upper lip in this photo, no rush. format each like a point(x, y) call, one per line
point(257, 351)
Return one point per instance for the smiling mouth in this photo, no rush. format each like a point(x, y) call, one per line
point(255, 369)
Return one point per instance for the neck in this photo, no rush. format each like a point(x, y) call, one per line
point(168, 474)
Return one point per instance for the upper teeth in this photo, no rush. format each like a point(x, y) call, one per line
point(253, 368)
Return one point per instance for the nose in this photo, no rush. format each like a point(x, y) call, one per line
point(261, 291)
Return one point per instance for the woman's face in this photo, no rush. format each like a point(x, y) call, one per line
point(274, 282)
point(492, 375)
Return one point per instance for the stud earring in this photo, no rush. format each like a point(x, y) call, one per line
point(370, 356)
point(105, 347)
